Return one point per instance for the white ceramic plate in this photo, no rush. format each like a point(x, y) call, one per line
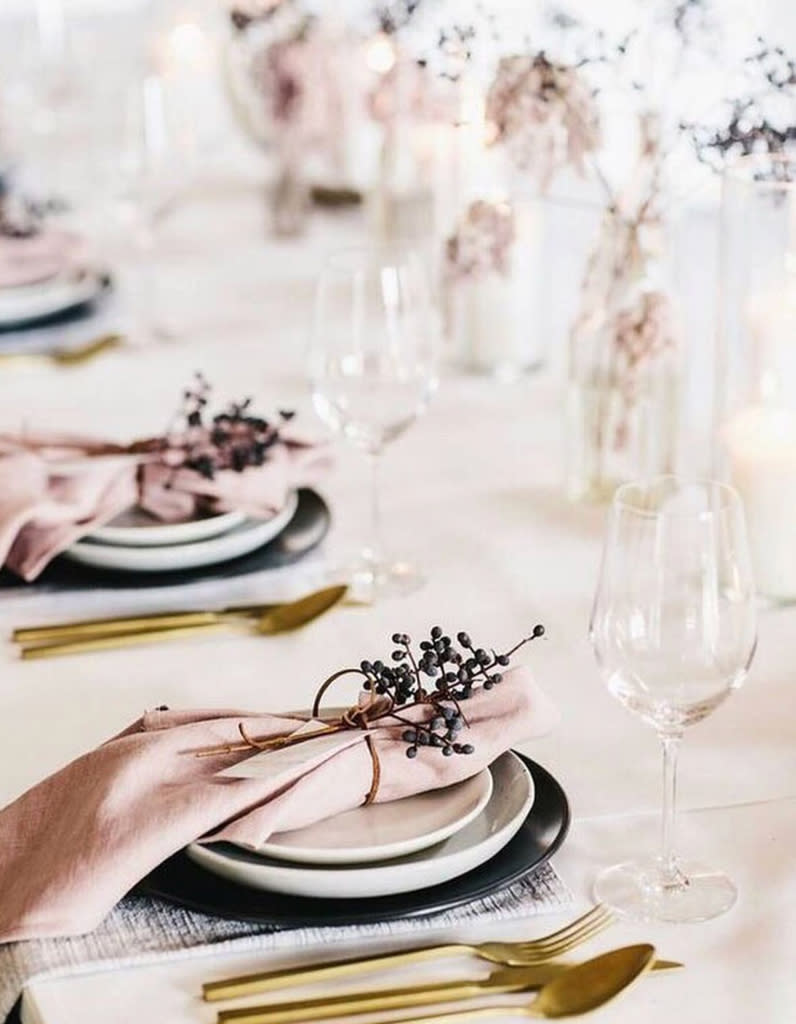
point(511, 800)
point(382, 831)
point(135, 528)
point(248, 536)
point(54, 295)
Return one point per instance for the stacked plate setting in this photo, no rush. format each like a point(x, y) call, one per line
point(388, 848)
point(68, 291)
point(135, 542)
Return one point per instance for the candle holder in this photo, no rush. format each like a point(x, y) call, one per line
point(755, 407)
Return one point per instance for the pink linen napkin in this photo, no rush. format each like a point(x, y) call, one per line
point(26, 260)
point(72, 846)
point(52, 494)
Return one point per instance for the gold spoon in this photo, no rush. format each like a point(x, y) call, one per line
point(280, 619)
point(571, 991)
point(580, 989)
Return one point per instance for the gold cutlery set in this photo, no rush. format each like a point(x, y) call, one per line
point(77, 355)
point(105, 634)
point(564, 989)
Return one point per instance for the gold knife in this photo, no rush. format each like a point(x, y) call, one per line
point(502, 981)
point(279, 619)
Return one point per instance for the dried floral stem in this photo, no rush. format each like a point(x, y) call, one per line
point(393, 690)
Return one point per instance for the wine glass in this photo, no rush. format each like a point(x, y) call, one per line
point(373, 369)
point(673, 630)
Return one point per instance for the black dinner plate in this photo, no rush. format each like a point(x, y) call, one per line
point(180, 881)
point(307, 528)
point(75, 309)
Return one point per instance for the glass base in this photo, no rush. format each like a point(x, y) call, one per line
point(641, 891)
point(371, 581)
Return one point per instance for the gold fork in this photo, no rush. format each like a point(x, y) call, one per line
point(514, 954)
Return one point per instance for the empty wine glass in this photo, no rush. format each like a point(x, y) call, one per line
point(673, 629)
point(373, 368)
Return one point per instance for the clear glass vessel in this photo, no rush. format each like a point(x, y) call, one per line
point(374, 366)
point(623, 393)
point(673, 630)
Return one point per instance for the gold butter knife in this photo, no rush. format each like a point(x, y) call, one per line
point(279, 619)
point(502, 981)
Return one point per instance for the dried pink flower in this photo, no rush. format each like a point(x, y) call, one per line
point(544, 113)
point(481, 243)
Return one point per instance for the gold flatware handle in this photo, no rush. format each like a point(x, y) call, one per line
point(354, 1003)
point(112, 627)
point(268, 981)
point(108, 643)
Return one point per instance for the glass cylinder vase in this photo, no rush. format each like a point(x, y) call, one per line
point(755, 430)
point(622, 404)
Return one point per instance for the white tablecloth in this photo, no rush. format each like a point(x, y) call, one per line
point(473, 492)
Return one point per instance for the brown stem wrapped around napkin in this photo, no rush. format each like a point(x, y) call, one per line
point(57, 488)
point(72, 846)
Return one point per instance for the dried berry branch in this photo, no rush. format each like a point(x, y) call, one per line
point(23, 217)
point(233, 439)
point(749, 128)
point(442, 678)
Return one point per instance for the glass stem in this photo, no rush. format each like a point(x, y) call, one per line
point(374, 546)
point(672, 876)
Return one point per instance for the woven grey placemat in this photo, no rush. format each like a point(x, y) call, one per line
point(142, 930)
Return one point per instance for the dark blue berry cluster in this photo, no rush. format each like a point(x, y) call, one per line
point(443, 675)
point(21, 216)
point(234, 439)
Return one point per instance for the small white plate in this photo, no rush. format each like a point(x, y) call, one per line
point(511, 800)
point(383, 831)
point(248, 536)
point(55, 295)
point(136, 528)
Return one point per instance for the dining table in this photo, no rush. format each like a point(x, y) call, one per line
point(474, 493)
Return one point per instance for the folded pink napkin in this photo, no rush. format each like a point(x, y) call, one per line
point(72, 846)
point(29, 259)
point(56, 488)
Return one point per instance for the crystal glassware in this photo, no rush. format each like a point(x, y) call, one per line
point(673, 630)
point(373, 369)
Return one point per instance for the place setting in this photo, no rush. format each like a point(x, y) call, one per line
point(427, 809)
point(211, 498)
point(47, 275)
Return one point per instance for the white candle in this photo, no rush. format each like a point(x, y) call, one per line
point(771, 317)
point(496, 316)
point(761, 446)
